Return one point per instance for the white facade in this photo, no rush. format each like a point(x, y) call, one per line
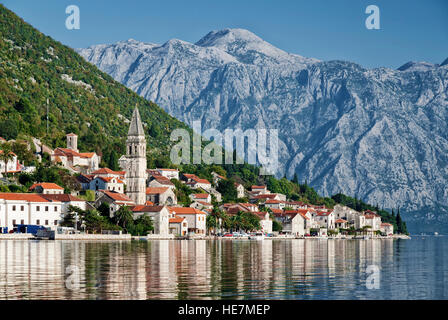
point(169, 173)
point(11, 166)
point(196, 219)
point(158, 214)
point(28, 209)
point(239, 190)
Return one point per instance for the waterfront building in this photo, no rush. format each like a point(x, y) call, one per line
point(196, 218)
point(387, 228)
point(265, 222)
point(28, 208)
point(66, 201)
point(159, 215)
point(178, 226)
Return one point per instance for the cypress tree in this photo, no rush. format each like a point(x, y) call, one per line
point(295, 179)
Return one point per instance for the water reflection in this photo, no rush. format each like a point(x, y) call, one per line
point(278, 269)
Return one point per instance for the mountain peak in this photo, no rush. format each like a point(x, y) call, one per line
point(417, 66)
point(444, 63)
point(227, 36)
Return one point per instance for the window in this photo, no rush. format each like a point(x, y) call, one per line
point(55, 209)
point(46, 208)
point(22, 208)
point(46, 222)
point(14, 222)
point(14, 209)
point(22, 222)
point(55, 222)
point(38, 208)
point(38, 222)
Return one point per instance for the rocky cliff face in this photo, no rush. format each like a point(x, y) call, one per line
point(377, 134)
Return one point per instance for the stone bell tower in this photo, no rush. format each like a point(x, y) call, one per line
point(72, 142)
point(136, 160)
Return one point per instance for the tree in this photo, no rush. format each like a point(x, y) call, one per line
point(228, 190)
point(124, 216)
point(113, 161)
point(6, 155)
point(141, 226)
point(295, 179)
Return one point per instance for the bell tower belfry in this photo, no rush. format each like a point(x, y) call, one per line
point(136, 160)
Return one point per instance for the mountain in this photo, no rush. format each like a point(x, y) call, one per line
point(82, 99)
point(376, 134)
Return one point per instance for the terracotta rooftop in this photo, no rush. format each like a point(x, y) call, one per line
point(157, 190)
point(46, 185)
point(117, 196)
point(185, 210)
point(29, 197)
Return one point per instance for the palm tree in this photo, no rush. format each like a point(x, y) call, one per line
point(6, 155)
point(123, 216)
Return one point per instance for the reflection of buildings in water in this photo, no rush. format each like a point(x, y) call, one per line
point(30, 269)
point(167, 275)
point(201, 265)
point(331, 244)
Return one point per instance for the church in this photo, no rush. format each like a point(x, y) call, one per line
point(134, 162)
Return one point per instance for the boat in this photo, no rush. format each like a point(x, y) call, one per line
point(436, 233)
point(257, 236)
point(45, 234)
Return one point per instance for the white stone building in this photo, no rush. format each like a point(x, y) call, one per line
point(47, 188)
point(196, 218)
point(159, 214)
point(29, 208)
point(72, 159)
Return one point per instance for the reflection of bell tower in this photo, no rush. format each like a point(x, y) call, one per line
point(136, 160)
point(72, 142)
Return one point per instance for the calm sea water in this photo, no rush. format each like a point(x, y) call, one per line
point(242, 269)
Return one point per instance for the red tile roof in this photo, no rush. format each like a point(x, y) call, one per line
point(258, 187)
point(61, 197)
point(106, 171)
point(117, 196)
point(177, 220)
point(141, 208)
point(157, 190)
point(201, 195)
point(46, 185)
point(185, 210)
point(29, 197)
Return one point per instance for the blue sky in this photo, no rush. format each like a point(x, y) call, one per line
point(335, 29)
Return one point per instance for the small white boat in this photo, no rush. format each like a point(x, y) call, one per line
point(257, 236)
point(436, 233)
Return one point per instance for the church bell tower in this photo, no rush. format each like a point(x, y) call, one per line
point(136, 160)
